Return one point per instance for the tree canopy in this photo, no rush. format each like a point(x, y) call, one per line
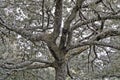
point(59, 39)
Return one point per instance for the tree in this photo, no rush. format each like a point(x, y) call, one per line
point(66, 28)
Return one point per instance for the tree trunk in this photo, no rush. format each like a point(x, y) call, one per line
point(61, 71)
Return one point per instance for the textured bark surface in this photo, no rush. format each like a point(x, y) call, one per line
point(61, 71)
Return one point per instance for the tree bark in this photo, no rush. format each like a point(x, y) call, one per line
point(61, 71)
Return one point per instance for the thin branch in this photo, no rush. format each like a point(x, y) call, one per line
point(43, 13)
point(96, 56)
point(95, 19)
point(99, 44)
point(68, 70)
point(107, 33)
point(89, 58)
point(107, 53)
point(48, 19)
point(97, 2)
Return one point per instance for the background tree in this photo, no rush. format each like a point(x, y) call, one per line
point(71, 38)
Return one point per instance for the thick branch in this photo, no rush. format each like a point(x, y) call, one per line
point(16, 66)
point(68, 22)
point(55, 51)
point(26, 64)
point(24, 33)
point(41, 61)
point(38, 66)
point(76, 51)
point(57, 18)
